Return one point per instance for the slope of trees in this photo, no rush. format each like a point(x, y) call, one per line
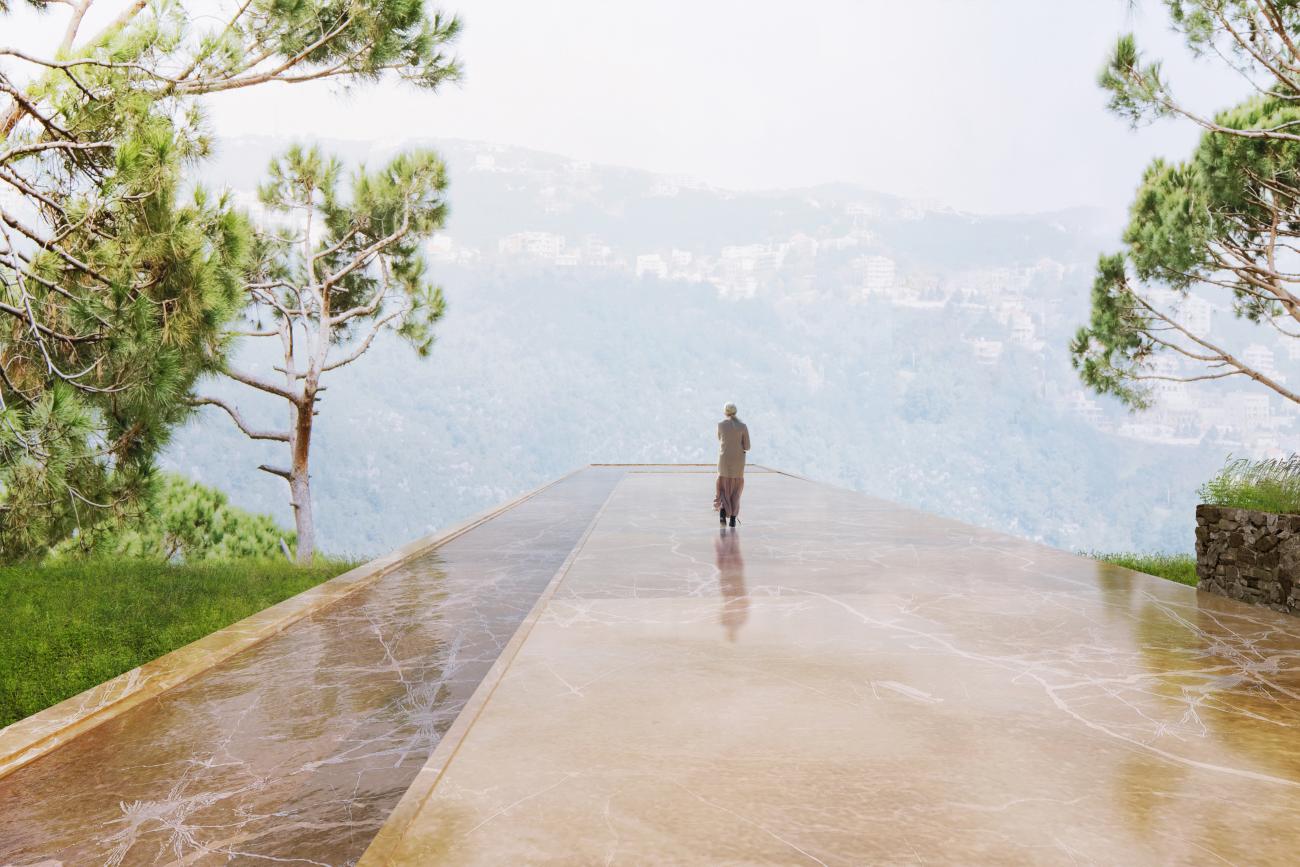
point(1224, 224)
point(116, 283)
point(184, 522)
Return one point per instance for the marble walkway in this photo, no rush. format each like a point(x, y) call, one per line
point(602, 676)
point(295, 750)
point(844, 682)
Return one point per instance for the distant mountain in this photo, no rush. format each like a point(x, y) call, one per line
point(605, 314)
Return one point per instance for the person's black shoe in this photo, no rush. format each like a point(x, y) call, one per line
point(733, 520)
point(722, 516)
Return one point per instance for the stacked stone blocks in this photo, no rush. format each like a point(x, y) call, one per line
point(1250, 556)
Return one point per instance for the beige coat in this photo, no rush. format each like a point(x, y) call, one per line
point(733, 442)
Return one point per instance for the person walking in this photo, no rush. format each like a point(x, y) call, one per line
point(733, 442)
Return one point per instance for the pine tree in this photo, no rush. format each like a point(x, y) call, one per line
point(1224, 222)
point(117, 283)
point(335, 268)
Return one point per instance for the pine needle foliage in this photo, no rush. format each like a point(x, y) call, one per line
point(117, 280)
point(1221, 226)
point(184, 522)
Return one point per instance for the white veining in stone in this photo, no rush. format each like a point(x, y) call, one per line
point(295, 750)
point(842, 681)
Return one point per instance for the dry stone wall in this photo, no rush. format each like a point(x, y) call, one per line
point(1250, 556)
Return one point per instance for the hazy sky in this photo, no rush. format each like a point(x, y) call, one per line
point(987, 105)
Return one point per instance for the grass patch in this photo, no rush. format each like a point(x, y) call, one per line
point(1175, 567)
point(66, 626)
point(1264, 486)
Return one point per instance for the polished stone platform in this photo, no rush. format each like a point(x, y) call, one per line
point(295, 750)
point(600, 675)
point(841, 681)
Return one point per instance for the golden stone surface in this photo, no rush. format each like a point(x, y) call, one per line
point(842, 681)
point(295, 748)
point(599, 675)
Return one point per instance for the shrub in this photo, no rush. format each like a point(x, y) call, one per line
point(184, 522)
point(1267, 486)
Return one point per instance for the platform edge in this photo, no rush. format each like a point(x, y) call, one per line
point(30, 738)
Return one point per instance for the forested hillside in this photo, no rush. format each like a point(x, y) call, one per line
point(885, 385)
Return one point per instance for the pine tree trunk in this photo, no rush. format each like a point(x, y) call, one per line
point(300, 481)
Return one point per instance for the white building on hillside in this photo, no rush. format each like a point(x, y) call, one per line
point(987, 351)
point(843, 242)
point(1190, 311)
point(1086, 407)
point(1254, 410)
point(801, 246)
point(443, 249)
point(863, 213)
point(652, 264)
point(543, 245)
point(750, 263)
point(1260, 358)
point(879, 274)
point(1023, 331)
point(596, 252)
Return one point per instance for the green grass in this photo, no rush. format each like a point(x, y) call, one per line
point(67, 626)
point(1175, 567)
point(1264, 486)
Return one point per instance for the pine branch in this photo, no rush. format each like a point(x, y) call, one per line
point(77, 62)
point(1146, 377)
point(51, 244)
point(363, 256)
point(276, 471)
point(1220, 353)
point(261, 384)
point(366, 309)
point(365, 344)
point(202, 86)
point(1249, 47)
point(17, 113)
point(41, 146)
point(27, 317)
point(251, 433)
point(79, 11)
point(6, 86)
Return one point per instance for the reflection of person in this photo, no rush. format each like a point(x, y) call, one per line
point(733, 442)
point(731, 580)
